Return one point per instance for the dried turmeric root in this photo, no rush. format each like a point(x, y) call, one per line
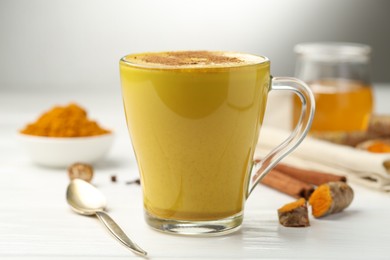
point(294, 214)
point(329, 198)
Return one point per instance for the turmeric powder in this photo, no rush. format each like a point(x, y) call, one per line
point(67, 121)
point(330, 198)
point(294, 214)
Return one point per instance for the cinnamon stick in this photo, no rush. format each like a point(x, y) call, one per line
point(287, 184)
point(309, 176)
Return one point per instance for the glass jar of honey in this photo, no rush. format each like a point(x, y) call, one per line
point(339, 76)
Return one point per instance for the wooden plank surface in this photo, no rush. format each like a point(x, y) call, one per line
point(36, 222)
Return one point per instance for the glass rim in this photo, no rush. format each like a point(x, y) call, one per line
point(326, 50)
point(155, 66)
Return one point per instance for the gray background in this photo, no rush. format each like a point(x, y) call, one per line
point(69, 45)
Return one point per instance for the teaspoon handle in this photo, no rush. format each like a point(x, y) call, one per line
point(118, 233)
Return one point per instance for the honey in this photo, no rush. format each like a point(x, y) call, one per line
point(341, 106)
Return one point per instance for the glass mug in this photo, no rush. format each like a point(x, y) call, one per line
point(338, 74)
point(194, 119)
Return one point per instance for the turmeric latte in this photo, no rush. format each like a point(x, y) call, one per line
point(194, 119)
point(64, 121)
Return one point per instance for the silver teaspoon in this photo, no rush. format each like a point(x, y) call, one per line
point(85, 199)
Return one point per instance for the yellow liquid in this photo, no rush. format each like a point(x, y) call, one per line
point(194, 132)
point(341, 106)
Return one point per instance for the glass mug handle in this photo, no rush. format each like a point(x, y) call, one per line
point(304, 93)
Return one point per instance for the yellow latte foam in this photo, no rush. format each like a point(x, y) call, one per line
point(192, 59)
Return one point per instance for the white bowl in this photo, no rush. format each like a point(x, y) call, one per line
point(64, 151)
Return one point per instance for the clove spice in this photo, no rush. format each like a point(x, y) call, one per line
point(136, 181)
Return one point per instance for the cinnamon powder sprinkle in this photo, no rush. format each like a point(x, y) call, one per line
point(188, 58)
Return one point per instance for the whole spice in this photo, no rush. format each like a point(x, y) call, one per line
point(379, 148)
point(330, 198)
point(297, 182)
point(67, 121)
point(309, 176)
point(375, 146)
point(379, 125)
point(294, 214)
point(286, 184)
point(80, 171)
point(136, 181)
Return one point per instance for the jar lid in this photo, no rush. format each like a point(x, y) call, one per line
point(333, 51)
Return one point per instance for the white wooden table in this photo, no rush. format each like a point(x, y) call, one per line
point(36, 222)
